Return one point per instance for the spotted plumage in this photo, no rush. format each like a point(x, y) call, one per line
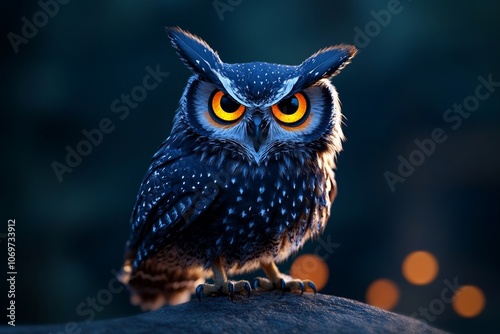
point(244, 179)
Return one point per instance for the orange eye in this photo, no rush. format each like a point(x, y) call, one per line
point(293, 110)
point(224, 109)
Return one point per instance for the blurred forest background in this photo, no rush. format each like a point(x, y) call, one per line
point(417, 60)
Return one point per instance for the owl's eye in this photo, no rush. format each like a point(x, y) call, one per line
point(224, 109)
point(293, 110)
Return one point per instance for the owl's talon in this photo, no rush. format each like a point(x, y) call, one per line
point(301, 286)
point(230, 287)
point(248, 289)
point(199, 291)
point(312, 286)
point(256, 284)
point(283, 286)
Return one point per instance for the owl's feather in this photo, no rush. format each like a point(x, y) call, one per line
point(195, 53)
point(325, 63)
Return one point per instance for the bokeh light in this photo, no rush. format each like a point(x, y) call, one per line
point(420, 268)
point(469, 301)
point(383, 293)
point(311, 267)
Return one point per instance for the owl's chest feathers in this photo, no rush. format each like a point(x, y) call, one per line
point(271, 207)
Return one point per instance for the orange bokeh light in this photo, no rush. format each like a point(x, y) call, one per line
point(383, 293)
point(310, 267)
point(420, 268)
point(469, 301)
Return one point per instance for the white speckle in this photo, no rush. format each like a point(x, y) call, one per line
point(241, 190)
point(259, 199)
point(239, 199)
point(230, 211)
point(208, 174)
point(251, 224)
point(243, 214)
point(284, 192)
point(262, 212)
point(233, 180)
point(283, 211)
point(301, 198)
point(261, 189)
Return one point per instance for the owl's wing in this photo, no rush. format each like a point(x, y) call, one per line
point(172, 195)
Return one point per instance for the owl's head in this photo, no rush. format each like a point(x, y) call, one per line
point(260, 110)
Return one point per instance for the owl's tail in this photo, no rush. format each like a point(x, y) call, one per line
point(152, 286)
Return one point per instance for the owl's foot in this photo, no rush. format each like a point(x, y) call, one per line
point(226, 288)
point(222, 286)
point(280, 281)
point(265, 284)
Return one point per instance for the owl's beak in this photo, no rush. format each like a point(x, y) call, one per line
point(256, 132)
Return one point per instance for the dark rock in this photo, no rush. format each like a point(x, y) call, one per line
point(262, 312)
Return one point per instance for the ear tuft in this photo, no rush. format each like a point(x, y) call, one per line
point(194, 52)
point(330, 61)
point(325, 63)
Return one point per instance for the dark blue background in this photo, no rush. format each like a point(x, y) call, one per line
point(71, 234)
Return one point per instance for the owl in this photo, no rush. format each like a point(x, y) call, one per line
point(244, 179)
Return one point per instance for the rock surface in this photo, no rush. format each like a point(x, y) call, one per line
point(262, 312)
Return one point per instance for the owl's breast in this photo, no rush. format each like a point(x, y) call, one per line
point(263, 213)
